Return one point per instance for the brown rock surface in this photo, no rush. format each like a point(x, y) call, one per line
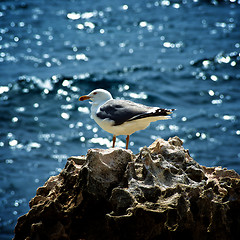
point(160, 193)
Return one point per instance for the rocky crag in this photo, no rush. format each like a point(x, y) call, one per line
point(160, 193)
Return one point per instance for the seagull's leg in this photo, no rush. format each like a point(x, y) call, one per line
point(114, 140)
point(127, 141)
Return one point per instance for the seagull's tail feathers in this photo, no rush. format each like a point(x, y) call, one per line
point(164, 112)
point(161, 113)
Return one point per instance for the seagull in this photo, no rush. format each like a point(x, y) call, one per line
point(122, 117)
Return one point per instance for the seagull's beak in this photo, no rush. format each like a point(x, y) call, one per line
point(85, 97)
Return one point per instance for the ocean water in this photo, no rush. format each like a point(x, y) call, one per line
point(174, 54)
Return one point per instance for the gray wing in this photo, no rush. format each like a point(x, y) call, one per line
point(121, 111)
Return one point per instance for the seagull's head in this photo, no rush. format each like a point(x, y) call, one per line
point(97, 96)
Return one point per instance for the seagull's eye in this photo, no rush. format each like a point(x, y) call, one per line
point(94, 93)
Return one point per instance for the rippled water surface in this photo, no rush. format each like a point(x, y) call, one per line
point(175, 54)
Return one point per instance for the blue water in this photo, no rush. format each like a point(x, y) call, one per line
point(175, 54)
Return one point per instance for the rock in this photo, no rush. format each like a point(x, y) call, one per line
point(160, 193)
